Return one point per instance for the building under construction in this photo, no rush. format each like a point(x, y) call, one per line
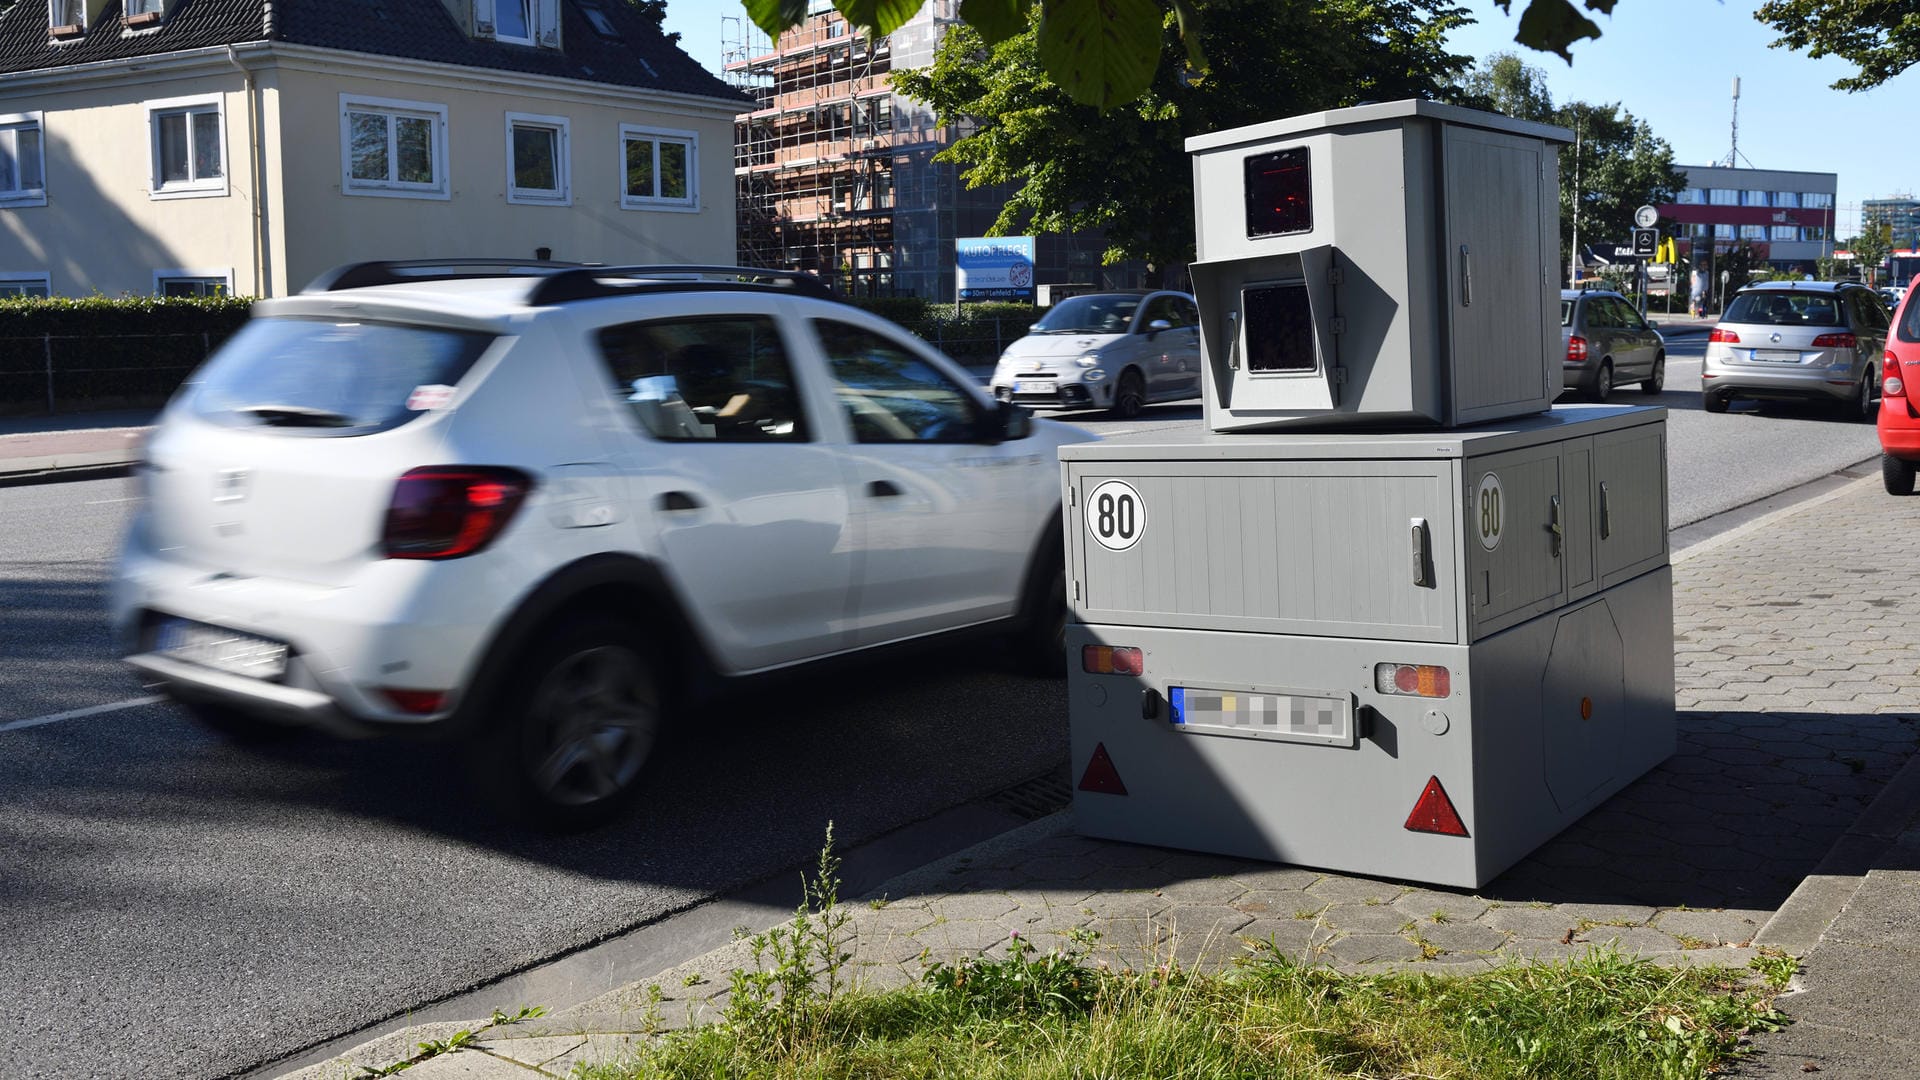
point(834, 172)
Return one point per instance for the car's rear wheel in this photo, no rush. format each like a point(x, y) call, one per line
point(567, 747)
point(1040, 644)
point(1130, 395)
point(1602, 387)
point(1896, 474)
point(1657, 381)
point(1864, 409)
point(1715, 403)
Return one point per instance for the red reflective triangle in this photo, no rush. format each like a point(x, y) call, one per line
point(1434, 812)
point(1101, 776)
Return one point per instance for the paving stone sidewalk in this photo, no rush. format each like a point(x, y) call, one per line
point(1798, 664)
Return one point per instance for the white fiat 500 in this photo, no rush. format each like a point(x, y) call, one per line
point(1115, 350)
point(526, 506)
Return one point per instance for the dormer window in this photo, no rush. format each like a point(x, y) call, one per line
point(518, 22)
point(140, 14)
point(67, 18)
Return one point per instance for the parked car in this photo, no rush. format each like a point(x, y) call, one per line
point(1892, 294)
point(527, 508)
point(1797, 340)
point(1899, 420)
point(1607, 344)
point(1114, 350)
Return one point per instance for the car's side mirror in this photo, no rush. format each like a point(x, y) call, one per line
point(1156, 326)
point(1008, 422)
point(1033, 328)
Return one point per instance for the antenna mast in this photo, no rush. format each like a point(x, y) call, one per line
point(1734, 154)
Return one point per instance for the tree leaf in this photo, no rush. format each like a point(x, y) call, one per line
point(1101, 52)
point(773, 16)
point(877, 17)
point(996, 20)
point(1552, 25)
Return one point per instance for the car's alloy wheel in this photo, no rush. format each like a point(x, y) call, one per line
point(1657, 381)
point(1130, 396)
point(1863, 405)
point(1603, 381)
point(1896, 474)
point(590, 725)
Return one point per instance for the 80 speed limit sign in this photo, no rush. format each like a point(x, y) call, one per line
point(1116, 515)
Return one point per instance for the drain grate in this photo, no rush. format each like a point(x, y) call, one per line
point(1031, 800)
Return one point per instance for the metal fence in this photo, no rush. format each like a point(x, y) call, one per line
point(55, 373)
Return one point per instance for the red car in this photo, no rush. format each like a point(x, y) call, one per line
point(1899, 422)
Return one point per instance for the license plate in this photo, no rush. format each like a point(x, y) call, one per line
point(220, 648)
point(1283, 715)
point(1033, 387)
point(1776, 356)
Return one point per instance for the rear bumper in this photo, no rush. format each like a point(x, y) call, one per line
point(1794, 385)
point(1899, 428)
point(276, 702)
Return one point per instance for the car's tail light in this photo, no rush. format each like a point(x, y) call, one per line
point(1835, 341)
point(417, 702)
point(1576, 350)
point(1893, 385)
point(446, 511)
point(1726, 336)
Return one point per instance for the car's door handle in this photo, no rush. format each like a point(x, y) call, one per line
point(679, 500)
point(883, 489)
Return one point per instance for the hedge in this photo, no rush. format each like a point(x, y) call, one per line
point(62, 355)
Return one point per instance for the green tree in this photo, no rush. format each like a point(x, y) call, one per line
point(1125, 172)
point(1870, 249)
point(1615, 166)
point(1106, 53)
point(1880, 37)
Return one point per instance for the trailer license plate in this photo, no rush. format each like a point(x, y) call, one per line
point(1284, 715)
point(221, 648)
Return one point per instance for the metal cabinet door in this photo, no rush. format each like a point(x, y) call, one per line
point(1630, 502)
point(1501, 185)
point(1331, 548)
point(1515, 521)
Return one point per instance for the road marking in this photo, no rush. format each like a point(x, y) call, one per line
point(103, 502)
point(75, 714)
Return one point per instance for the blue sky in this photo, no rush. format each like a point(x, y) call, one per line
point(1672, 64)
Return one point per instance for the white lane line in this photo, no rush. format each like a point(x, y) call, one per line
point(75, 714)
point(104, 502)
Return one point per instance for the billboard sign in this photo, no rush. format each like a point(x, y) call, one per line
point(994, 267)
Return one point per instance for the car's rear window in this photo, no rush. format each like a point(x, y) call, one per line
point(322, 377)
point(1785, 309)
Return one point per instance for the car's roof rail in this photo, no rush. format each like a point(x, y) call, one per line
point(401, 271)
point(593, 282)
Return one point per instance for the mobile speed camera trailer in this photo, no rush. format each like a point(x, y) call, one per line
point(1391, 613)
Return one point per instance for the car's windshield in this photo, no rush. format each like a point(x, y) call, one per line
point(1779, 308)
point(1566, 312)
point(321, 377)
point(1097, 314)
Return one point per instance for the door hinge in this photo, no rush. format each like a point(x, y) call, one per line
point(1335, 276)
point(1073, 496)
point(1338, 324)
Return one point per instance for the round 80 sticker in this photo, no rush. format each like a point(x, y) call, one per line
point(1486, 510)
point(1116, 515)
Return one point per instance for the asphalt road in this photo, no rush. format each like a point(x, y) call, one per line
point(173, 905)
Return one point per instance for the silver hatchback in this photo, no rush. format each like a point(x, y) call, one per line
point(1797, 340)
point(1608, 344)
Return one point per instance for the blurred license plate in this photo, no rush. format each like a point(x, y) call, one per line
point(1031, 387)
point(1285, 715)
point(1776, 356)
point(221, 648)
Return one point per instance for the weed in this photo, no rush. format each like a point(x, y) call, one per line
point(877, 903)
point(433, 1048)
point(1442, 917)
point(1775, 966)
point(798, 967)
point(1688, 941)
point(1310, 914)
point(692, 978)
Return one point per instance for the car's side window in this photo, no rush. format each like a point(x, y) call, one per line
point(1871, 315)
point(1184, 312)
point(1160, 307)
point(1599, 314)
point(890, 394)
point(721, 379)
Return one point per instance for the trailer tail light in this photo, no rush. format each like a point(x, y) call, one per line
point(1894, 386)
point(1835, 341)
point(1434, 812)
point(1727, 337)
point(447, 511)
point(1413, 680)
point(1109, 660)
point(1576, 350)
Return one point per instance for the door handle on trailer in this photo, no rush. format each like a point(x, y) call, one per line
point(679, 500)
point(1554, 526)
point(1466, 277)
point(1422, 554)
point(1606, 513)
point(883, 489)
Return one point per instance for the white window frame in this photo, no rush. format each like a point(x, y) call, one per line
point(562, 168)
point(186, 189)
point(440, 188)
point(224, 276)
point(80, 10)
point(533, 24)
point(657, 135)
point(543, 22)
point(26, 196)
point(18, 280)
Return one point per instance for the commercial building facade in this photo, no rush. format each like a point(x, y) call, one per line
point(1785, 218)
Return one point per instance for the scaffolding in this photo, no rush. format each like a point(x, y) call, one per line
point(814, 160)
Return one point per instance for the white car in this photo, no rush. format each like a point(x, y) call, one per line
point(1113, 350)
point(527, 506)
